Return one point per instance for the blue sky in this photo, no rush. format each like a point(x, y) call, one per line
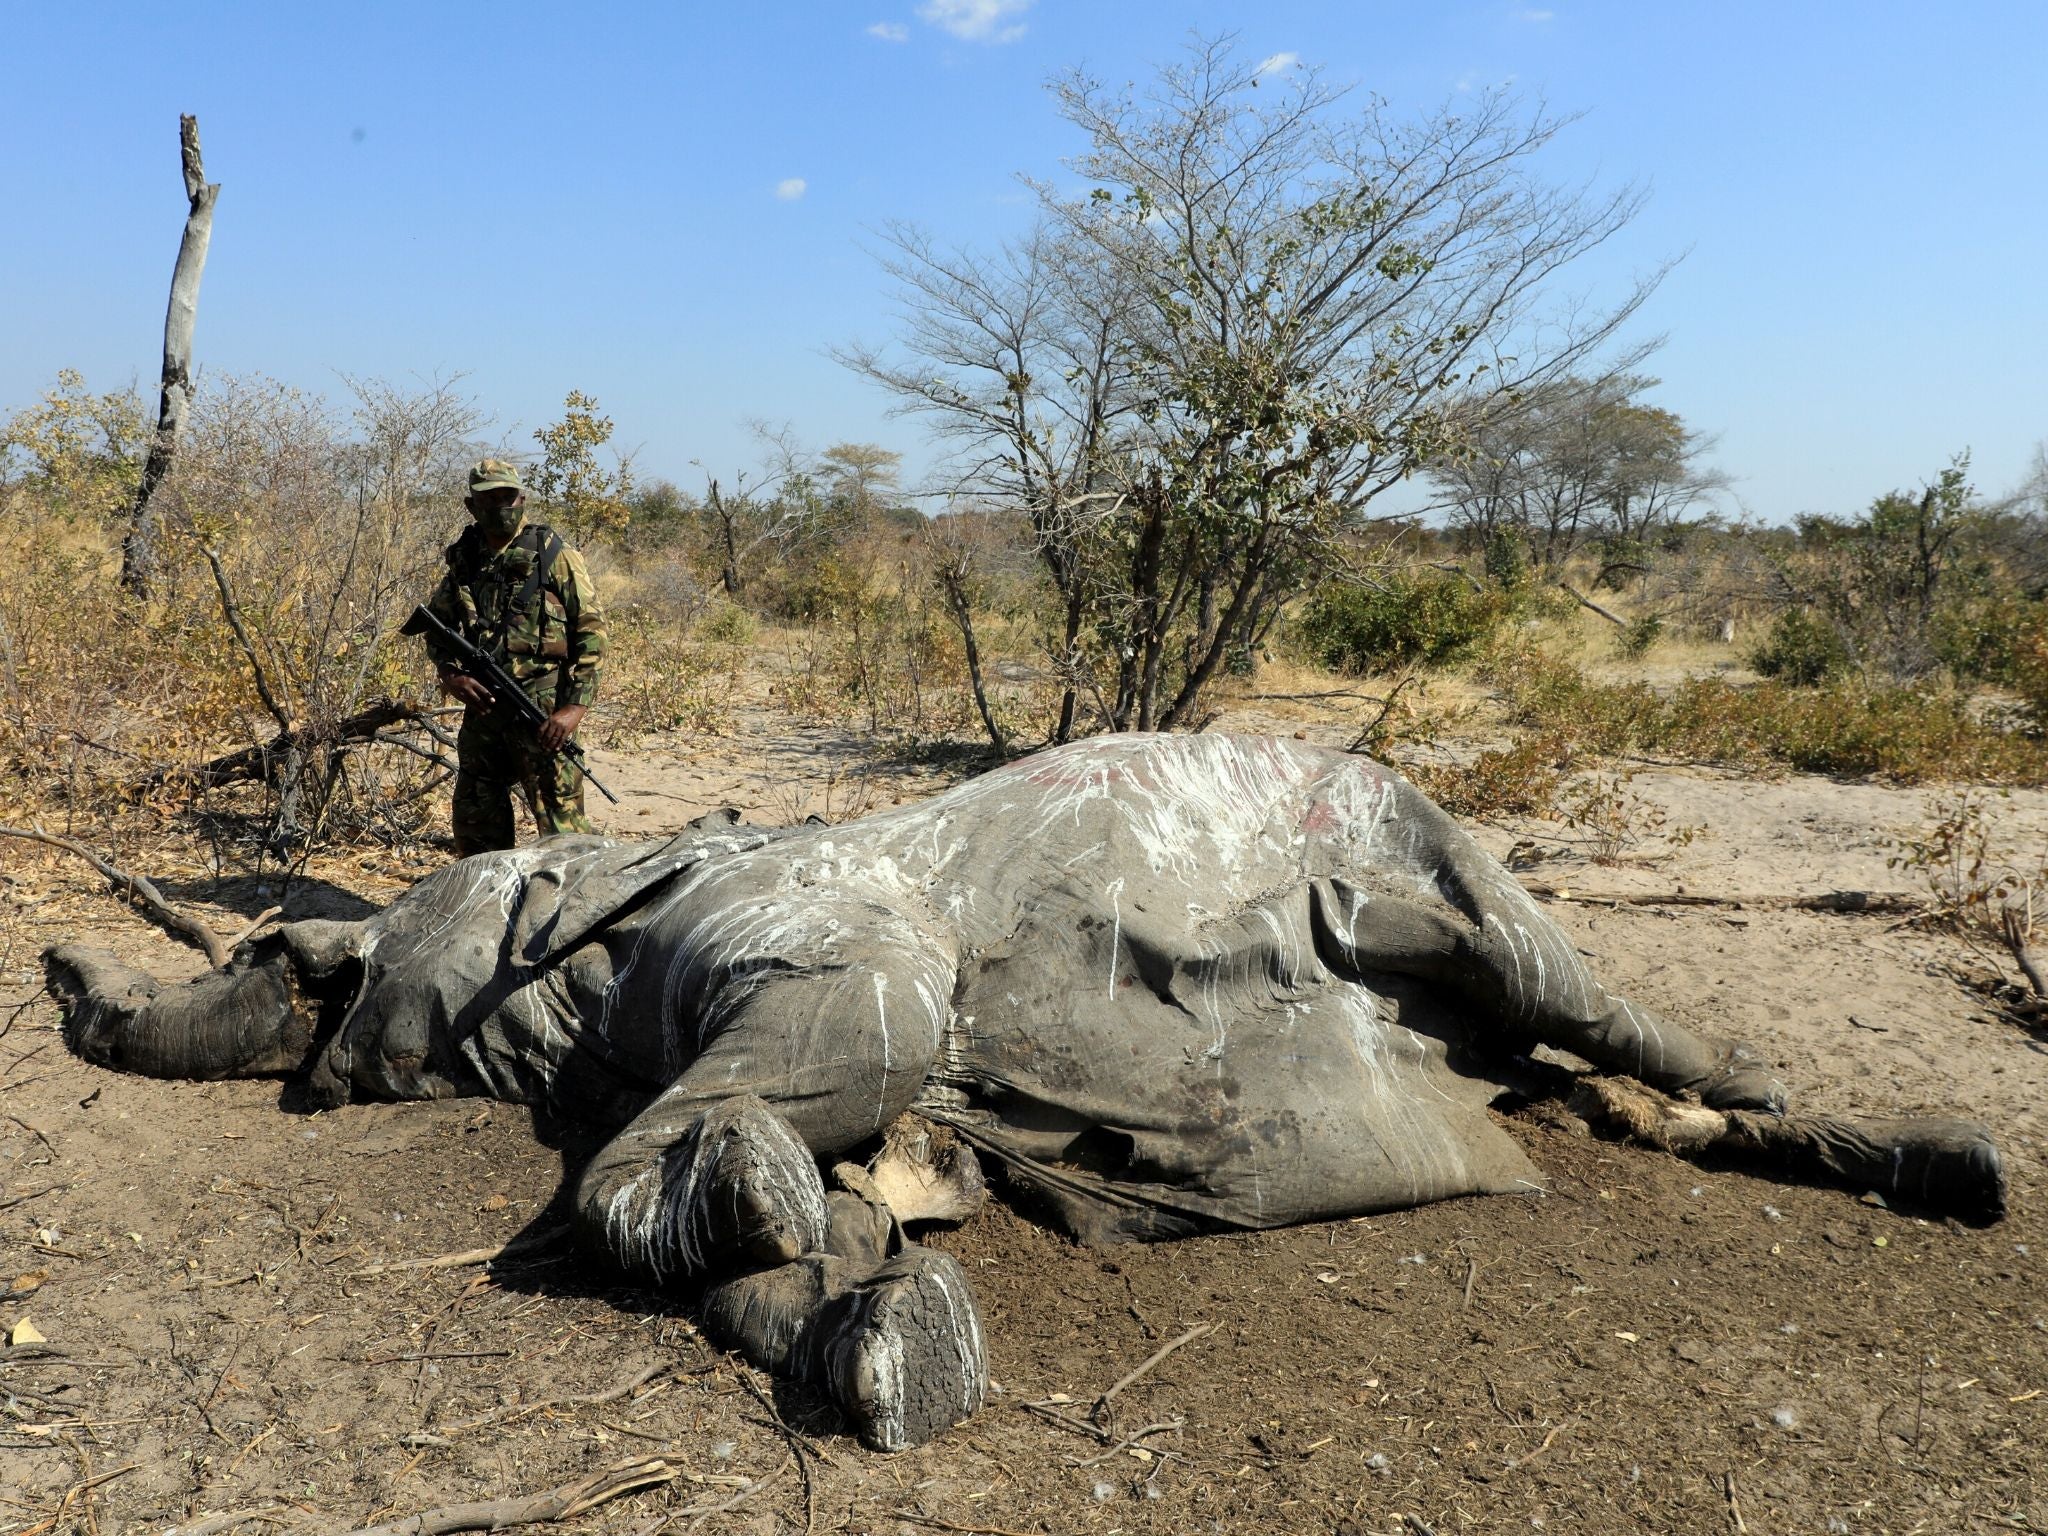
point(666, 206)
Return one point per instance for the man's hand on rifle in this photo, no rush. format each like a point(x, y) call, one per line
point(556, 730)
point(466, 688)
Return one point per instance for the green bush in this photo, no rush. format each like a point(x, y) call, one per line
point(1428, 618)
point(1802, 649)
point(1641, 634)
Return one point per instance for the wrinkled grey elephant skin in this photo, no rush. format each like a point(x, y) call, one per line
point(1167, 984)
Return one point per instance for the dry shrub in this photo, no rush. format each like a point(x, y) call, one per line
point(661, 677)
point(1851, 727)
point(1969, 875)
point(294, 540)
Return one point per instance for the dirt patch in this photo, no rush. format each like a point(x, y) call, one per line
point(1648, 1347)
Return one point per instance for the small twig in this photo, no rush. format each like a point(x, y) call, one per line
point(1734, 1506)
point(39, 1136)
point(1845, 902)
point(35, 1194)
point(1159, 1354)
point(1067, 1421)
point(137, 889)
point(468, 1256)
point(520, 1410)
point(211, 1524)
point(232, 611)
point(1556, 1430)
point(800, 1448)
point(563, 1503)
point(1132, 1439)
point(438, 1354)
point(704, 1512)
point(946, 1525)
point(1471, 1274)
point(77, 1490)
point(2017, 921)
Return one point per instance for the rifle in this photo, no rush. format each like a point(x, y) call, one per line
point(479, 664)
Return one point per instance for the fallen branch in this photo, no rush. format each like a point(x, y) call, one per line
point(259, 761)
point(563, 1503)
point(439, 758)
point(138, 890)
point(1882, 903)
point(1587, 603)
point(260, 920)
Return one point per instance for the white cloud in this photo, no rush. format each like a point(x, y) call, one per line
point(976, 21)
point(1274, 63)
point(791, 188)
point(890, 31)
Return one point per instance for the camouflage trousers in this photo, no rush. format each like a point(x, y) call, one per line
point(497, 756)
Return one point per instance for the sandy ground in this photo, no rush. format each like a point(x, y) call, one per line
point(1652, 1346)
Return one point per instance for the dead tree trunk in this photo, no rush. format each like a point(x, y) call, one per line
point(730, 574)
point(139, 548)
point(950, 571)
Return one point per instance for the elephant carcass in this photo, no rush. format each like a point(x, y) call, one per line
point(1166, 985)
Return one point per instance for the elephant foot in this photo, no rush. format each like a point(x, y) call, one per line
point(902, 1353)
point(1952, 1167)
point(897, 1346)
point(748, 1188)
point(99, 996)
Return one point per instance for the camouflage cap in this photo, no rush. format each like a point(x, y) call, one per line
point(494, 475)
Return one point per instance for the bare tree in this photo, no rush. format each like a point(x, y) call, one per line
point(139, 549)
point(1267, 309)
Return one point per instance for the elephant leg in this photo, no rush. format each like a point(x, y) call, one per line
point(721, 1170)
point(258, 1017)
point(1518, 967)
point(893, 1339)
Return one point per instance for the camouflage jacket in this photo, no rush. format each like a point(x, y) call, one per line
point(559, 637)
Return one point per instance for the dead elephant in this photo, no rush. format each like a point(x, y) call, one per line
point(1166, 984)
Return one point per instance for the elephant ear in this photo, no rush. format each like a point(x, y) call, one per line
point(591, 884)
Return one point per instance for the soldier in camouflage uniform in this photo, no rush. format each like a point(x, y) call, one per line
point(517, 591)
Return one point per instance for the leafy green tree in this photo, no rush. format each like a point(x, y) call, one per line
point(81, 453)
point(1890, 581)
point(575, 491)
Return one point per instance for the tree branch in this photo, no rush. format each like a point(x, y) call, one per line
point(138, 890)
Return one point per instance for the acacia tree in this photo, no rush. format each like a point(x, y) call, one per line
point(1269, 305)
point(1576, 461)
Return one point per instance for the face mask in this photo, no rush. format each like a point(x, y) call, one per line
point(498, 522)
